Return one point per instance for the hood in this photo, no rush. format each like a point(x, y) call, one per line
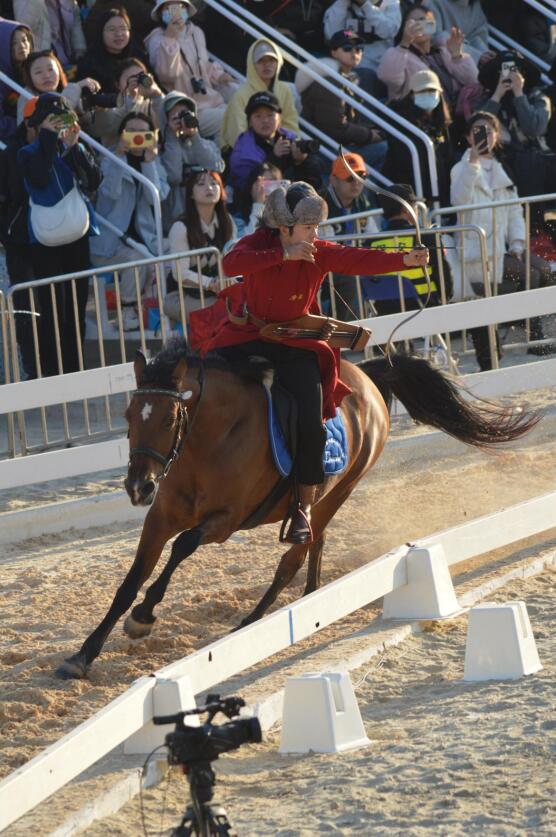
point(303, 80)
point(252, 77)
point(7, 29)
point(167, 103)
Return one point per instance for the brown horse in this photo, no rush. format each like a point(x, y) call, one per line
point(200, 457)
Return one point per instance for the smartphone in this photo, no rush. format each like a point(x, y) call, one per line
point(66, 120)
point(140, 139)
point(480, 138)
point(270, 185)
point(507, 67)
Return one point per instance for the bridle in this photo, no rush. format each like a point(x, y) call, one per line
point(183, 428)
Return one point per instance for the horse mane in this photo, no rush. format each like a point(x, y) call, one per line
point(160, 368)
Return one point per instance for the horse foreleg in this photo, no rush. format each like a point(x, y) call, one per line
point(289, 564)
point(151, 543)
point(314, 565)
point(141, 619)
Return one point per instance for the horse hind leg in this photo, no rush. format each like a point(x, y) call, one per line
point(141, 619)
point(290, 563)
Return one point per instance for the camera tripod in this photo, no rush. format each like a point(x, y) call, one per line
point(201, 818)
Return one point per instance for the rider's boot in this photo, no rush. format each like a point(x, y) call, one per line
point(300, 531)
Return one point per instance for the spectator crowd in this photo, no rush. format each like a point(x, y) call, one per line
point(144, 79)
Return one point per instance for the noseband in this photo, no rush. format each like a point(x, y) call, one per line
point(182, 430)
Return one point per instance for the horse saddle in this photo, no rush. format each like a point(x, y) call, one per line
point(282, 424)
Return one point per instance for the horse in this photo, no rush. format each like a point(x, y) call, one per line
point(200, 459)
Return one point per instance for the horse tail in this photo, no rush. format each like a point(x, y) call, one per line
point(434, 398)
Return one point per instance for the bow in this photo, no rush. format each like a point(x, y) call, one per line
point(419, 244)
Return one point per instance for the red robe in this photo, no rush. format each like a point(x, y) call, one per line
point(276, 290)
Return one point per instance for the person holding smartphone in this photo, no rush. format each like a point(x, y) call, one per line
point(481, 178)
point(249, 203)
point(127, 204)
point(414, 49)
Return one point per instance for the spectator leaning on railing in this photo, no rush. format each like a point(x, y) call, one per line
point(375, 21)
point(333, 115)
point(264, 63)
point(181, 148)
point(480, 178)
point(414, 50)
point(16, 44)
point(205, 223)
point(56, 169)
point(427, 109)
point(128, 205)
point(266, 140)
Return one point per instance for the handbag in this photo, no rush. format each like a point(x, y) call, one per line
point(64, 222)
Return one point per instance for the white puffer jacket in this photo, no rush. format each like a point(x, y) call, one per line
point(470, 185)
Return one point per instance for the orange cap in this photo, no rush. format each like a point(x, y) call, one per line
point(29, 107)
point(356, 162)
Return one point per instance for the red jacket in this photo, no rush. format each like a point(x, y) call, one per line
point(276, 290)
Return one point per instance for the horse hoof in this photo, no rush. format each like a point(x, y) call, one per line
point(135, 629)
point(74, 668)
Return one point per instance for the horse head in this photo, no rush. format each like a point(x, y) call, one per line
point(158, 420)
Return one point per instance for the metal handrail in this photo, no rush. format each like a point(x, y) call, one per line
point(550, 13)
point(501, 36)
point(239, 14)
point(115, 159)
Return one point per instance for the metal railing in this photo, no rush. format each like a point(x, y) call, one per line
point(500, 41)
point(258, 28)
point(105, 341)
point(139, 176)
point(548, 10)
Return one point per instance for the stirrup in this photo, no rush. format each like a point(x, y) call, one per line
point(299, 531)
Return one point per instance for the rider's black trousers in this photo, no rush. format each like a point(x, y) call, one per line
point(297, 370)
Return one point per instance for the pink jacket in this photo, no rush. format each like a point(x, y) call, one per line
point(398, 65)
point(176, 60)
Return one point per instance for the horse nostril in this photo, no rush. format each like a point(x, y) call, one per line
point(147, 488)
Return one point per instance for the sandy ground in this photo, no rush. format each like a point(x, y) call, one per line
point(446, 757)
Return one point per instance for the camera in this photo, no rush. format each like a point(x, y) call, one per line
point(507, 68)
point(198, 86)
point(91, 100)
point(144, 79)
point(189, 745)
point(140, 139)
point(188, 119)
point(307, 146)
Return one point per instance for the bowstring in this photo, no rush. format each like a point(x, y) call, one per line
point(407, 206)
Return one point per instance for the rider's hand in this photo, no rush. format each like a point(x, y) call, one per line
point(419, 257)
point(301, 251)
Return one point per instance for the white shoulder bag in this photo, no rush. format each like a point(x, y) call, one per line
point(66, 221)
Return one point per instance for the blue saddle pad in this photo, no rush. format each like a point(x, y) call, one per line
point(336, 455)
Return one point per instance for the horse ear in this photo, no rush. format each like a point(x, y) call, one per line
point(178, 375)
point(139, 366)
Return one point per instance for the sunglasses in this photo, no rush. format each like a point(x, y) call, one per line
point(350, 48)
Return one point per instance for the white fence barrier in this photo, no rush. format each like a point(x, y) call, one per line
point(71, 755)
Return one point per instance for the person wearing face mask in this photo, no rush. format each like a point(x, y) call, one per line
point(127, 204)
point(426, 108)
point(414, 50)
point(481, 178)
point(178, 53)
point(16, 44)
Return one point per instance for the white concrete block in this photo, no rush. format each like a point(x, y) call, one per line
point(500, 643)
point(321, 715)
point(168, 697)
point(428, 593)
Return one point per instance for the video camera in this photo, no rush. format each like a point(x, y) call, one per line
point(191, 745)
point(143, 79)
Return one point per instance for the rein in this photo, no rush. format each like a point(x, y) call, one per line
point(183, 429)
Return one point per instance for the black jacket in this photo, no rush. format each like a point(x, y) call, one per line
point(14, 200)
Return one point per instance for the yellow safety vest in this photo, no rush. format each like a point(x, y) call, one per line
point(414, 274)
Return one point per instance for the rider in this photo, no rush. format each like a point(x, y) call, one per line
point(283, 265)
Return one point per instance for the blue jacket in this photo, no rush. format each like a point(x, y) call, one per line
point(50, 170)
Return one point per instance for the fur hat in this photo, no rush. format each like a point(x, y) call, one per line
point(298, 204)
